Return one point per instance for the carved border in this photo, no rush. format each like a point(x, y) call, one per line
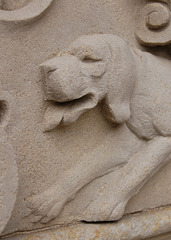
point(134, 226)
point(153, 23)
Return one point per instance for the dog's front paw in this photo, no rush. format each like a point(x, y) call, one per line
point(105, 210)
point(118, 211)
point(45, 206)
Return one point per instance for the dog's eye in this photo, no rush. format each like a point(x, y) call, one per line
point(90, 60)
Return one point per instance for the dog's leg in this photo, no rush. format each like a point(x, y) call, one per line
point(128, 180)
point(100, 161)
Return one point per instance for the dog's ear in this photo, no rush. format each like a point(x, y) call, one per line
point(118, 112)
point(121, 78)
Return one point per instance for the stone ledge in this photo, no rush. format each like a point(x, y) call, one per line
point(137, 226)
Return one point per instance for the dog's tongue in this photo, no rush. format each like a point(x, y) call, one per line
point(53, 117)
point(66, 114)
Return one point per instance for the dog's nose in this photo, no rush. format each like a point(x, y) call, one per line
point(63, 80)
point(48, 67)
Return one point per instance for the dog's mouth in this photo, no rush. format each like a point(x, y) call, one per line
point(76, 101)
point(67, 112)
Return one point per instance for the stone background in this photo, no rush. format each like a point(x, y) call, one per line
point(42, 156)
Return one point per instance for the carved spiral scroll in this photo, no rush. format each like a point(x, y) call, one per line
point(31, 11)
point(153, 25)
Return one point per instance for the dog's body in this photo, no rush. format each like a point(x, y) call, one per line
point(134, 88)
point(151, 98)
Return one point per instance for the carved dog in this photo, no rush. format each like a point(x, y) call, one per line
point(134, 87)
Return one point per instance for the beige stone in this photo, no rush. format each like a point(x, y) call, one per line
point(8, 182)
point(131, 85)
point(137, 227)
point(85, 113)
point(20, 12)
point(8, 165)
point(153, 23)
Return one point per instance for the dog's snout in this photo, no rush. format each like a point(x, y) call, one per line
point(47, 68)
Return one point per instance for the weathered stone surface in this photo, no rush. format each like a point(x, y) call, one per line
point(20, 12)
point(8, 181)
point(132, 88)
point(86, 111)
point(137, 227)
point(153, 25)
point(8, 165)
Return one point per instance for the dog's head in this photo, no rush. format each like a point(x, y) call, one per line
point(94, 68)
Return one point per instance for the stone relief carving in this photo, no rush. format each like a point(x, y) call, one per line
point(29, 11)
point(8, 166)
point(153, 25)
point(133, 88)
